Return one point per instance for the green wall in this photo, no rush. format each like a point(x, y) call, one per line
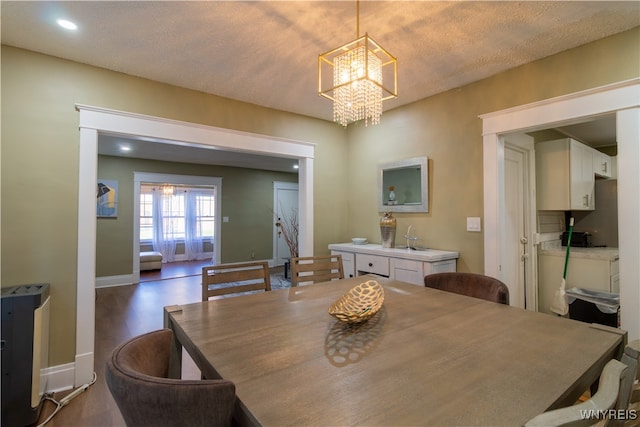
point(247, 199)
point(40, 155)
point(39, 165)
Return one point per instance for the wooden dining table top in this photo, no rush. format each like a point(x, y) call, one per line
point(428, 357)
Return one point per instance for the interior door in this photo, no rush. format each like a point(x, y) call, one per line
point(519, 250)
point(285, 205)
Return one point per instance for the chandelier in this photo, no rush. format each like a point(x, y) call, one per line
point(353, 76)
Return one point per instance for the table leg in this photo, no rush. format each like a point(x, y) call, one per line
point(287, 265)
point(175, 358)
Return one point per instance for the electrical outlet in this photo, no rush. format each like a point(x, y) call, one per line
point(253, 255)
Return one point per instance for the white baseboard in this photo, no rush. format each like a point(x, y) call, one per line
point(108, 281)
point(59, 378)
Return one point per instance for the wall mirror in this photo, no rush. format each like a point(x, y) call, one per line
point(403, 186)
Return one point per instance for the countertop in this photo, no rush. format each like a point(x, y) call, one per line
point(374, 249)
point(610, 254)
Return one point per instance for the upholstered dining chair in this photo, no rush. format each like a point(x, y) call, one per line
point(136, 374)
point(227, 279)
point(470, 284)
point(614, 375)
point(630, 397)
point(316, 269)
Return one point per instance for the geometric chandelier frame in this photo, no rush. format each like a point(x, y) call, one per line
point(356, 77)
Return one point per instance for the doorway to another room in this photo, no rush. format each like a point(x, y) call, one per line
point(285, 230)
point(620, 99)
point(177, 216)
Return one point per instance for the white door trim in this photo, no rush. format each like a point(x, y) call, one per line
point(622, 98)
point(95, 120)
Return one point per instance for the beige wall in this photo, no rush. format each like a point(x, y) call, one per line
point(40, 155)
point(446, 128)
point(247, 199)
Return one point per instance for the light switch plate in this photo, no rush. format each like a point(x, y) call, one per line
point(473, 223)
point(225, 219)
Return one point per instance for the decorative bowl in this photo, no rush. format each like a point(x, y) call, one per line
point(359, 304)
point(359, 240)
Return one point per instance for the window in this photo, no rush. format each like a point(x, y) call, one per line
point(178, 206)
point(146, 216)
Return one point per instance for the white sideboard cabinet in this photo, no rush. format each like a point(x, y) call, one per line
point(400, 264)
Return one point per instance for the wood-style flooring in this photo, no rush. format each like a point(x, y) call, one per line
point(123, 312)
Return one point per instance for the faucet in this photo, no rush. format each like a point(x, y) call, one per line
point(411, 239)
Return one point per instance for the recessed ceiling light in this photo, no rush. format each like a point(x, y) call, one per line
point(295, 166)
point(125, 148)
point(67, 25)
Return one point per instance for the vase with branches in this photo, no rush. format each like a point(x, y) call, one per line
point(288, 227)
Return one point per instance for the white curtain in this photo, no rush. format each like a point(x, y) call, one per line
point(193, 246)
point(163, 240)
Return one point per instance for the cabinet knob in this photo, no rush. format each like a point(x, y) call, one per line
point(370, 264)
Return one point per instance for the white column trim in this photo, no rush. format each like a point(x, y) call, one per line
point(628, 137)
point(86, 268)
point(94, 121)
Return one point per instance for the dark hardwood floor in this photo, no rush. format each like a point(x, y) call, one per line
point(123, 312)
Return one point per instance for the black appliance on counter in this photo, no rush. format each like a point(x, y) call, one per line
point(579, 239)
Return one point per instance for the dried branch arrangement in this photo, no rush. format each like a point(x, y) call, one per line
point(289, 228)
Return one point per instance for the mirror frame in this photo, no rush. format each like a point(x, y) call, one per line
point(422, 163)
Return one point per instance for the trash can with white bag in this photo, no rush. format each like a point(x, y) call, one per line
point(591, 306)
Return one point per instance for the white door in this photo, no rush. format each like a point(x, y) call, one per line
point(285, 207)
point(519, 256)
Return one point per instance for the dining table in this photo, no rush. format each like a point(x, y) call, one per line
point(426, 358)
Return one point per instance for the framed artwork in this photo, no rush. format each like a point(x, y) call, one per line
point(107, 198)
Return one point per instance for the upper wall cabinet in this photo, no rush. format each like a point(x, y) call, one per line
point(565, 177)
point(602, 164)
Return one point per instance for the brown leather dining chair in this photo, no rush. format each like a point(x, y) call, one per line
point(136, 374)
point(316, 269)
point(470, 284)
point(227, 279)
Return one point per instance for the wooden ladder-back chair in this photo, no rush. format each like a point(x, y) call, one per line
point(316, 269)
point(227, 279)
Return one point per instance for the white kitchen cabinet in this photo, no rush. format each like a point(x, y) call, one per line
point(602, 164)
point(565, 178)
point(397, 264)
point(595, 269)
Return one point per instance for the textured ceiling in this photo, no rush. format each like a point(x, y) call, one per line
point(265, 52)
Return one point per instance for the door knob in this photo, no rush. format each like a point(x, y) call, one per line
point(524, 240)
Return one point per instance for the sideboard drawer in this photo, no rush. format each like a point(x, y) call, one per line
point(372, 264)
point(440, 267)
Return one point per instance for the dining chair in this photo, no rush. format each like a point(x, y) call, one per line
point(316, 269)
point(614, 375)
point(136, 374)
point(227, 279)
point(470, 284)
point(630, 397)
